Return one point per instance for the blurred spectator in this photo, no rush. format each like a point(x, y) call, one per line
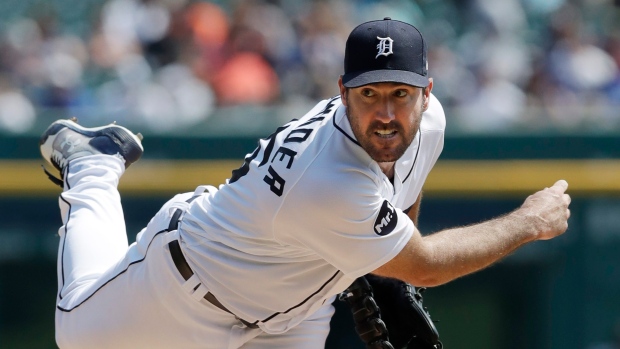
point(48, 66)
point(168, 64)
point(246, 78)
point(208, 28)
point(324, 28)
point(17, 113)
point(258, 31)
point(141, 45)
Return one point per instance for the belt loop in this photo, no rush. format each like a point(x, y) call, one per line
point(201, 189)
point(171, 236)
point(200, 292)
point(174, 221)
point(176, 216)
point(191, 284)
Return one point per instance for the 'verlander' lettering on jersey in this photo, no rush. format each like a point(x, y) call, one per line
point(386, 219)
point(298, 135)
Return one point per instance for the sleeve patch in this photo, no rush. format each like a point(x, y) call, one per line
point(386, 219)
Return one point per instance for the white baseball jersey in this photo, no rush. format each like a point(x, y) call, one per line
point(307, 213)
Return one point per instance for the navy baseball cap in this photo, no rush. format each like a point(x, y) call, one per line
point(385, 51)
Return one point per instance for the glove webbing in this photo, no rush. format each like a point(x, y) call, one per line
point(366, 315)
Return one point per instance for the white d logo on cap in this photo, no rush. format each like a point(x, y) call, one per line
point(384, 47)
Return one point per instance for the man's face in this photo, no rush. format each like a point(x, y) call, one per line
point(385, 117)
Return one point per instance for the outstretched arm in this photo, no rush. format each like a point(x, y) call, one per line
point(444, 256)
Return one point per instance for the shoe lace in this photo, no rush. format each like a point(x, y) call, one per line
point(57, 181)
point(58, 162)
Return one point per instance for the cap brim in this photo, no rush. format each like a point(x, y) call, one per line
point(357, 79)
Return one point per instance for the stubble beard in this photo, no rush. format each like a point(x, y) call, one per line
point(376, 152)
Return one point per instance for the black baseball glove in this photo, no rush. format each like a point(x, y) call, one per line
point(388, 313)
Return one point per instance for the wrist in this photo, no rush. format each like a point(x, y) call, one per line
point(527, 224)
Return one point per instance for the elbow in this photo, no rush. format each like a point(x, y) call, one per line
point(424, 269)
point(425, 279)
point(417, 265)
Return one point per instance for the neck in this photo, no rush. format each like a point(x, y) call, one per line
point(388, 169)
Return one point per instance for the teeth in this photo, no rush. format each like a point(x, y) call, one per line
point(384, 132)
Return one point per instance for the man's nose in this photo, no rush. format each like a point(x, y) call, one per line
point(385, 111)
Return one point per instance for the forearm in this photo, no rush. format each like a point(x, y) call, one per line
point(452, 253)
point(446, 255)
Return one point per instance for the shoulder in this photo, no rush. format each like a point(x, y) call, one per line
point(330, 199)
point(340, 179)
point(434, 118)
point(335, 188)
point(325, 107)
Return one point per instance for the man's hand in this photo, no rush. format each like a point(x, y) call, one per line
point(547, 211)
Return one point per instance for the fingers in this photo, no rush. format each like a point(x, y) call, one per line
point(560, 186)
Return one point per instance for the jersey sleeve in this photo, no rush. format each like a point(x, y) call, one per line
point(344, 220)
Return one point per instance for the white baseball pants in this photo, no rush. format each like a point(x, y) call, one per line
point(111, 295)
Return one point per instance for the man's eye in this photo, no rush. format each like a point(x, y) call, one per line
point(367, 92)
point(400, 93)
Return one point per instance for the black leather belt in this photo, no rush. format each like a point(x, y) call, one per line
point(186, 271)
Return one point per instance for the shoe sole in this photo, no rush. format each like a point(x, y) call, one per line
point(124, 138)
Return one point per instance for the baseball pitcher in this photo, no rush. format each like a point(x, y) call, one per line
point(324, 200)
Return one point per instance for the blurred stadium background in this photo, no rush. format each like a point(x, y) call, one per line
point(531, 90)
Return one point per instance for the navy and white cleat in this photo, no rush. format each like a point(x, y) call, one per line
point(65, 140)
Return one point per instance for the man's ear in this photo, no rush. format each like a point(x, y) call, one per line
point(426, 96)
point(343, 91)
